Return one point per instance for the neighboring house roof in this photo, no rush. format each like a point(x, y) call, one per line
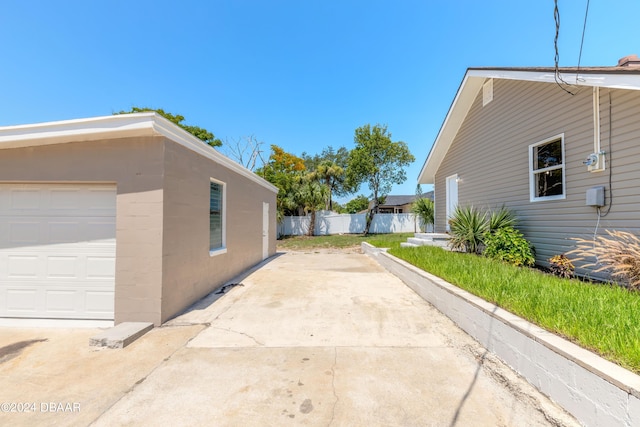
point(117, 126)
point(624, 76)
point(404, 200)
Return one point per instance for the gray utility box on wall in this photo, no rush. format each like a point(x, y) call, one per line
point(595, 196)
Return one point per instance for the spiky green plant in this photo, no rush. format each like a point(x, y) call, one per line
point(502, 218)
point(424, 209)
point(468, 227)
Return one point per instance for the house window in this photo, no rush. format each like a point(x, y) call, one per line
point(216, 217)
point(546, 169)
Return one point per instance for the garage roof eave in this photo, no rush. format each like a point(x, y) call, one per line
point(114, 127)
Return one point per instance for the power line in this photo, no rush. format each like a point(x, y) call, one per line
point(584, 28)
point(558, 78)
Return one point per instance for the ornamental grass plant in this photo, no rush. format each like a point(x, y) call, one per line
point(618, 255)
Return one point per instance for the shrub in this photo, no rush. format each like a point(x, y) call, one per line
point(561, 266)
point(509, 245)
point(618, 255)
point(468, 227)
point(423, 208)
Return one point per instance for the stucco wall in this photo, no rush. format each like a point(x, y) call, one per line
point(189, 271)
point(135, 165)
point(490, 155)
point(162, 225)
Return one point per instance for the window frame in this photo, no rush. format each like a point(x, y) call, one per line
point(223, 248)
point(533, 173)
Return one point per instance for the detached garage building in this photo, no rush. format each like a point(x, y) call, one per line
point(122, 218)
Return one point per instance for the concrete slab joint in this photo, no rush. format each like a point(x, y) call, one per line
point(121, 335)
point(595, 391)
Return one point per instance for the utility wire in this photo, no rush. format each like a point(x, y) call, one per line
point(559, 80)
point(584, 28)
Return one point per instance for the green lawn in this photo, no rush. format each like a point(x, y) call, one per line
point(602, 318)
point(341, 241)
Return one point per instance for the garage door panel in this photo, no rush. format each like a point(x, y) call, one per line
point(57, 251)
point(21, 199)
point(65, 199)
point(101, 201)
point(23, 232)
point(100, 267)
point(99, 303)
point(30, 299)
point(63, 232)
point(63, 267)
point(21, 301)
point(44, 231)
point(62, 301)
point(101, 233)
point(22, 266)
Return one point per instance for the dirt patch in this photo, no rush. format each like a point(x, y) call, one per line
point(11, 351)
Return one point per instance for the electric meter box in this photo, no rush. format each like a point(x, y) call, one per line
point(595, 196)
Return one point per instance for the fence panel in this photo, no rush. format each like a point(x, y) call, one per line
point(331, 223)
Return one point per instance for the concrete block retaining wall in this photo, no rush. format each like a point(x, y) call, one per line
point(595, 391)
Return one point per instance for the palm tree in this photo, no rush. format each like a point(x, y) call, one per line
point(311, 195)
point(423, 208)
point(329, 172)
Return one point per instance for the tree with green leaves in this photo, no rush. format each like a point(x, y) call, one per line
point(312, 196)
point(358, 204)
point(331, 166)
point(285, 171)
point(329, 174)
point(378, 161)
point(200, 133)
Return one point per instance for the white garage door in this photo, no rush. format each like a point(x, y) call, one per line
point(57, 251)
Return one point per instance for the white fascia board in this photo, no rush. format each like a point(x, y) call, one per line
point(107, 127)
point(460, 106)
point(606, 80)
point(113, 127)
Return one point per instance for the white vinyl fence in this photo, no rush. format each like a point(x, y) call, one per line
point(332, 223)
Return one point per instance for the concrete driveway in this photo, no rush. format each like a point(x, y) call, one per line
point(308, 339)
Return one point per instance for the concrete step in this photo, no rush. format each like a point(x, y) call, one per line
point(428, 239)
point(419, 242)
point(407, 245)
point(432, 236)
point(121, 335)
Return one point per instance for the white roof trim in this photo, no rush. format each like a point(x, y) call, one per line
point(472, 83)
point(113, 127)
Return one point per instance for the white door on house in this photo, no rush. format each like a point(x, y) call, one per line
point(57, 251)
point(265, 230)
point(452, 197)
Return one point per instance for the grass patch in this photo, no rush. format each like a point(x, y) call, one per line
point(601, 318)
point(341, 241)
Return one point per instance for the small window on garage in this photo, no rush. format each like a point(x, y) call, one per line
point(546, 169)
point(217, 216)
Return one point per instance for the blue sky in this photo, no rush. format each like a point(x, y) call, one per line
point(300, 74)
